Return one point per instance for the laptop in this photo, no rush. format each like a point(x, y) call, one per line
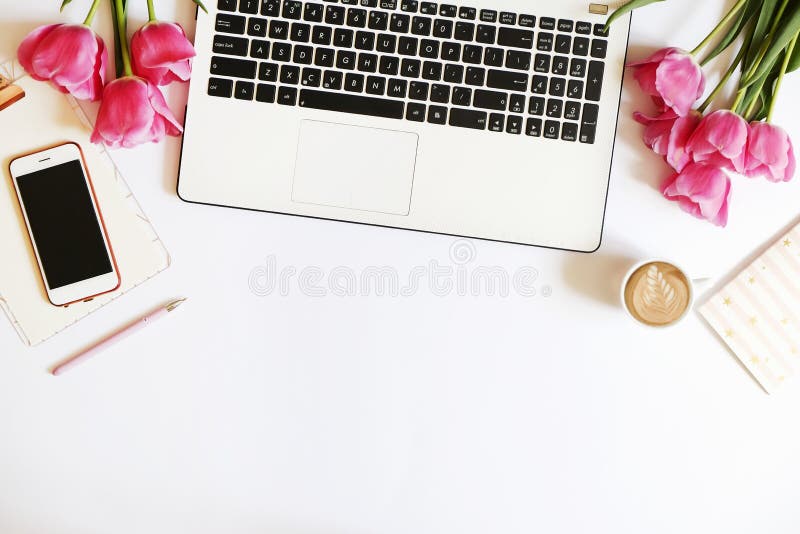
point(492, 120)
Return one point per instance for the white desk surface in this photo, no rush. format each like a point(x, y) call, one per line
point(298, 414)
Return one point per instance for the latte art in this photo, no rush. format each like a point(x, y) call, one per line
point(657, 294)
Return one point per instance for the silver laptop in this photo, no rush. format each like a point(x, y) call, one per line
point(492, 120)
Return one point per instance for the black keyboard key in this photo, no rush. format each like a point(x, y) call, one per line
point(418, 90)
point(518, 60)
point(428, 8)
point(468, 13)
point(257, 28)
point(287, 96)
point(440, 93)
point(409, 68)
point(554, 108)
point(265, 93)
point(539, 85)
point(472, 54)
point(560, 65)
point(551, 129)
point(367, 62)
point(563, 44)
point(248, 6)
point(334, 15)
point(583, 27)
point(323, 57)
point(589, 123)
point(486, 34)
point(437, 114)
point(475, 76)
point(259, 49)
point(378, 20)
point(557, 86)
point(465, 31)
point(348, 2)
point(515, 38)
point(432, 70)
point(565, 25)
point(313, 12)
point(220, 87)
point(411, 6)
point(490, 100)
point(268, 72)
point(493, 57)
point(415, 112)
point(600, 30)
point(462, 96)
point(488, 15)
point(514, 124)
point(345, 60)
point(580, 46)
point(516, 103)
point(278, 29)
point(569, 131)
point(356, 17)
point(226, 5)
point(368, 3)
point(443, 28)
point(271, 8)
point(227, 44)
point(536, 105)
point(235, 68)
point(397, 88)
point(376, 85)
point(290, 74)
point(545, 42)
point(468, 118)
point(594, 80)
point(575, 89)
point(365, 40)
point(429, 48)
point(407, 46)
point(332, 80)
point(577, 68)
point(542, 63)
point(529, 21)
point(300, 32)
point(511, 81)
point(572, 110)
point(454, 73)
point(388, 4)
point(451, 51)
point(496, 122)
point(533, 127)
point(599, 47)
point(345, 103)
point(321, 35)
point(303, 54)
point(421, 26)
point(389, 65)
point(230, 23)
point(311, 77)
point(343, 37)
point(386, 43)
point(448, 10)
point(292, 9)
point(399, 23)
point(353, 83)
point(547, 23)
point(281, 51)
point(508, 18)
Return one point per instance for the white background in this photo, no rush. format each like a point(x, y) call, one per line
point(329, 415)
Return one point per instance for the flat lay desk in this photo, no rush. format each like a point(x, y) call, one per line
point(429, 413)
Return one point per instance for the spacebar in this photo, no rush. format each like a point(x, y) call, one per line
point(362, 105)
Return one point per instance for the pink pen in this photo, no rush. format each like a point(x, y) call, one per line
point(119, 335)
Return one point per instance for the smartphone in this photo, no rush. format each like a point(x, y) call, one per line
point(65, 224)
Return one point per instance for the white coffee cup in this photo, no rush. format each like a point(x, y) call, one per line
point(661, 289)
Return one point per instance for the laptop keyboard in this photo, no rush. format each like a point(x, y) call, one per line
point(416, 61)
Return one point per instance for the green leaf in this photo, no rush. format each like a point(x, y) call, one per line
point(768, 8)
point(64, 4)
point(199, 3)
point(741, 22)
point(630, 6)
point(794, 61)
point(788, 29)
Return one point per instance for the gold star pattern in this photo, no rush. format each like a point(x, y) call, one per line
point(784, 321)
point(794, 350)
point(726, 301)
point(787, 242)
point(751, 280)
point(728, 333)
point(755, 360)
point(781, 378)
point(753, 321)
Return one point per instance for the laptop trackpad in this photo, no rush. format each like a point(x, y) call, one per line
point(354, 167)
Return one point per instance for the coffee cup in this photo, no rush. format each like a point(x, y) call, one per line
point(657, 293)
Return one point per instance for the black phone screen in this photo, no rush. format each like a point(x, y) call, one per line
point(65, 228)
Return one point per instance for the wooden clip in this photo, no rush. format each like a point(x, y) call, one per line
point(9, 93)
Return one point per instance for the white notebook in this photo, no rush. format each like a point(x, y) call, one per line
point(43, 118)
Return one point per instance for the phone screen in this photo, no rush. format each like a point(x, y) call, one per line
point(62, 218)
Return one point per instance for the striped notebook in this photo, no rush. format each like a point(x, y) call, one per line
point(758, 313)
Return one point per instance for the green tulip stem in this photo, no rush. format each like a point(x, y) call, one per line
point(721, 26)
point(738, 59)
point(92, 10)
point(122, 28)
point(784, 65)
point(766, 45)
point(151, 12)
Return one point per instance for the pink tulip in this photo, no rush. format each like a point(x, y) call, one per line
point(133, 112)
point(667, 135)
point(160, 52)
point(769, 153)
point(71, 56)
point(672, 78)
point(720, 140)
point(702, 190)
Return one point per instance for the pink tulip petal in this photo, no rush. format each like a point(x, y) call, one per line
point(720, 140)
point(161, 53)
point(173, 127)
point(681, 131)
point(27, 49)
point(679, 81)
point(702, 190)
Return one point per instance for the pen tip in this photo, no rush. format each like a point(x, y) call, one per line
point(174, 304)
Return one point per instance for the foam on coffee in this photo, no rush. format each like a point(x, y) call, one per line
point(657, 294)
